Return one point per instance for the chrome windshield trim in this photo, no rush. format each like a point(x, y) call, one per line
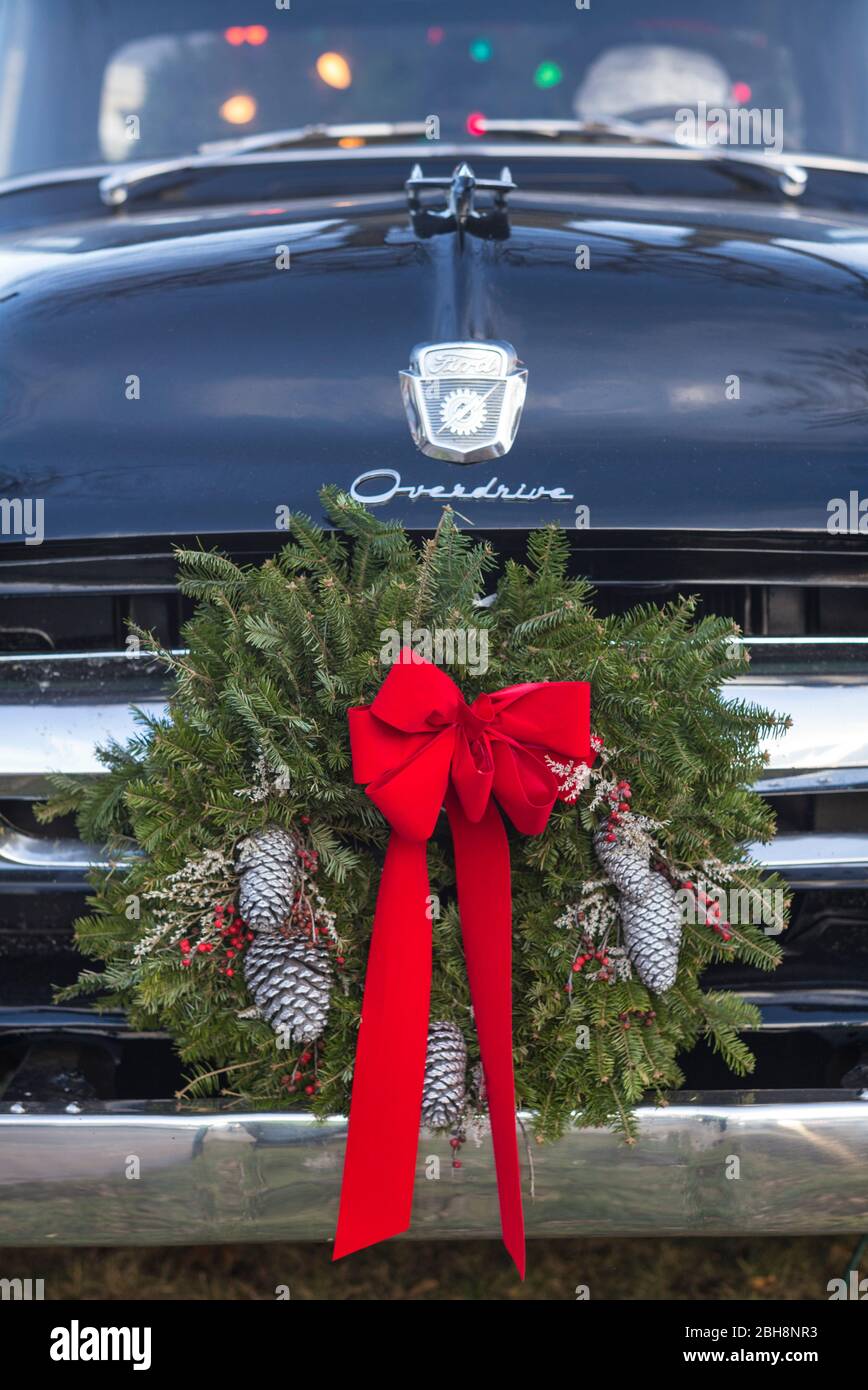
point(119, 184)
point(455, 149)
point(781, 173)
point(274, 140)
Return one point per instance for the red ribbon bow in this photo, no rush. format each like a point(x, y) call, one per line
point(419, 746)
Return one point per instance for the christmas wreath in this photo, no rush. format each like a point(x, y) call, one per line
point(244, 857)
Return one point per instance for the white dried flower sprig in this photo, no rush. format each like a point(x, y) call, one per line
point(636, 831)
point(148, 943)
point(597, 920)
point(595, 912)
point(184, 902)
point(266, 782)
point(716, 869)
point(573, 778)
point(324, 919)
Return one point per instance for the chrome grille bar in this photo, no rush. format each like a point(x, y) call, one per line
point(817, 860)
point(55, 710)
point(53, 721)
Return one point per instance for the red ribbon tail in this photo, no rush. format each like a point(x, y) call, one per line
point(383, 1136)
point(485, 901)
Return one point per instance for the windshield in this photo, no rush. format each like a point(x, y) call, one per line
point(94, 81)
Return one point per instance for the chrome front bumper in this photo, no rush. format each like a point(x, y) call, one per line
point(212, 1176)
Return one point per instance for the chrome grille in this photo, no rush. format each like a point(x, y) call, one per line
point(808, 660)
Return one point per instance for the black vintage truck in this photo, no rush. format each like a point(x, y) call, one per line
point(604, 265)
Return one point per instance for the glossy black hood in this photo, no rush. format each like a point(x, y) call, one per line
point(259, 384)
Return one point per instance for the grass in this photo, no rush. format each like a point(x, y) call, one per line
point(723, 1269)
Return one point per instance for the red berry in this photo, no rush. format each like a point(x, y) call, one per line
point(610, 838)
point(186, 960)
point(229, 952)
point(339, 960)
point(456, 1163)
point(230, 971)
point(455, 1143)
point(308, 1090)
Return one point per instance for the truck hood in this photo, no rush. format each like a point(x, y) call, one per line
point(160, 375)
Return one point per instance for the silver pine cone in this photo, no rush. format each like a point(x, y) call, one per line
point(290, 980)
point(649, 908)
point(268, 868)
point(443, 1096)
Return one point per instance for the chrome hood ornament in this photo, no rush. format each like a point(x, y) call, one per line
point(464, 400)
